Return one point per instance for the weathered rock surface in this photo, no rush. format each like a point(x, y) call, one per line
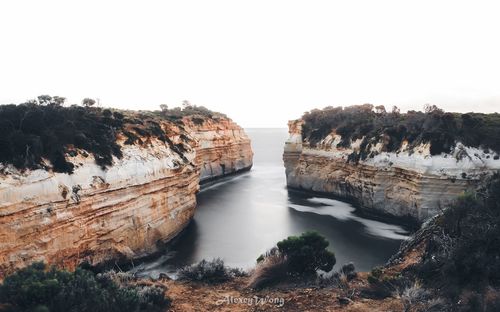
point(124, 211)
point(403, 184)
point(223, 147)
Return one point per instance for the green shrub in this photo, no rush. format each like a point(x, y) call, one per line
point(296, 258)
point(212, 272)
point(307, 253)
point(38, 288)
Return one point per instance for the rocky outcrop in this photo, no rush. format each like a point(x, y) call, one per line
point(124, 211)
point(404, 183)
point(223, 147)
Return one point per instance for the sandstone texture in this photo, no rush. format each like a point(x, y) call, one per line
point(124, 211)
point(223, 147)
point(402, 184)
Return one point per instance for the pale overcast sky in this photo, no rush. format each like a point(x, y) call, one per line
point(260, 62)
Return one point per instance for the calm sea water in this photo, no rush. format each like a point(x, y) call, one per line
point(242, 216)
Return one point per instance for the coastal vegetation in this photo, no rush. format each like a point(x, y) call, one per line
point(45, 129)
point(211, 272)
point(441, 129)
point(462, 257)
point(294, 257)
point(43, 289)
point(187, 109)
point(457, 253)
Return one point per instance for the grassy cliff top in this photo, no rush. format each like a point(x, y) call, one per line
point(441, 129)
point(44, 129)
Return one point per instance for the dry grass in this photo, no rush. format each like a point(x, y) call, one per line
point(271, 270)
point(188, 296)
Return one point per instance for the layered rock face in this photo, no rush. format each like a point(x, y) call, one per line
point(403, 184)
point(121, 212)
point(223, 147)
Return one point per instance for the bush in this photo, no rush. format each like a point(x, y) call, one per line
point(375, 275)
point(463, 250)
point(349, 270)
point(211, 272)
point(188, 110)
point(296, 257)
point(152, 298)
point(307, 253)
point(38, 288)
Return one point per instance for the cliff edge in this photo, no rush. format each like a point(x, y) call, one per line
point(98, 185)
point(404, 165)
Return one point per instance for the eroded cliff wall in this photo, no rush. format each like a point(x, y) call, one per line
point(223, 147)
point(124, 211)
point(404, 184)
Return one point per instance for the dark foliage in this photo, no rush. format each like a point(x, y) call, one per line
point(465, 252)
point(442, 130)
point(30, 132)
point(198, 113)
point(296, 260)
point(44, 129)
point(211, 272)
point(37, 288)
point(307, 253)
point(349, 270)
point(382, 286)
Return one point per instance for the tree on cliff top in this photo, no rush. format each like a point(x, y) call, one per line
point(39, 130)
point(442, 130)
point(88, 102)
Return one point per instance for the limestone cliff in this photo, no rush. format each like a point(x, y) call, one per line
point(406, 183)
point(98, 214)
point(223, 147)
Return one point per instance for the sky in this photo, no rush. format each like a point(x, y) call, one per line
point(260, 62)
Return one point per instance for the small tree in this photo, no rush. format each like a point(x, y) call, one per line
point(380, 109)
point(164, 107)
point(44, 99)
point(307, 253)
point(88, 102)
point(58, 100)
point(48, 100)
point(429, 109)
